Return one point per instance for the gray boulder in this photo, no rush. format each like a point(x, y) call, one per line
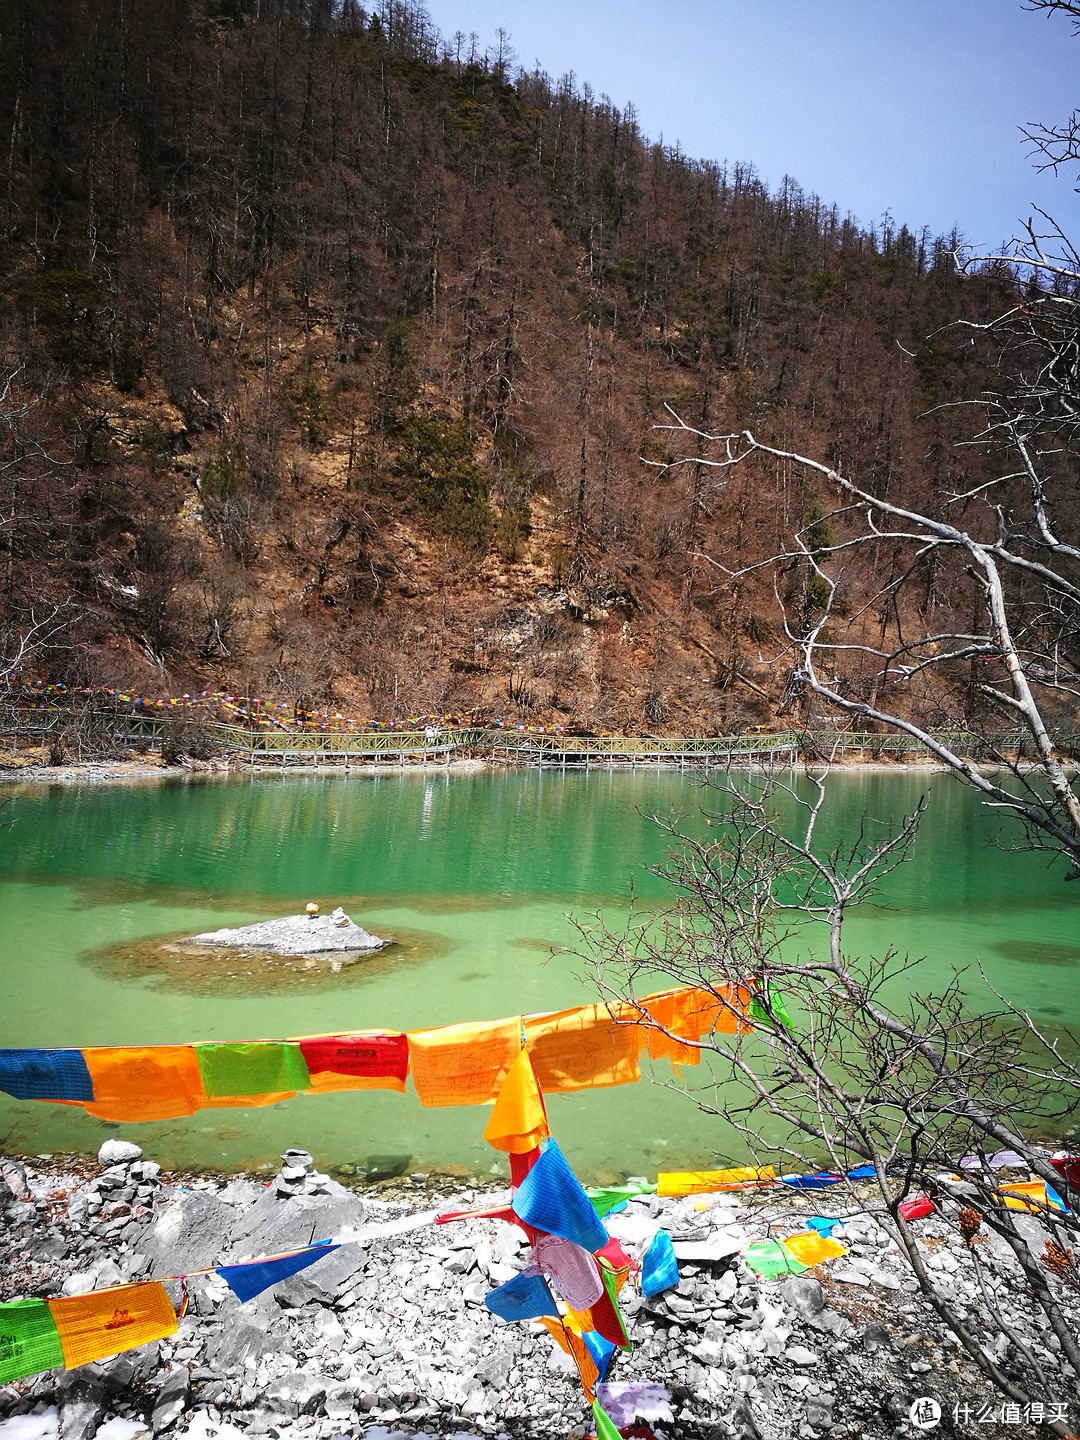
point(280, 1222)
point(324, 1281)
point(82, 1406)
point(173, 1398)
point(496, 1371)
point(297, 1394)
point(297, 935)
point(15, 1178)
point(874, 1336)
point(804, 1295)
point(240, 1340)
point(188, 1233)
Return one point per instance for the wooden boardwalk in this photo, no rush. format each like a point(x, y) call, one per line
point(500, 746)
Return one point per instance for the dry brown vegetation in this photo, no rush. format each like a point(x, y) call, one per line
point(334, 360)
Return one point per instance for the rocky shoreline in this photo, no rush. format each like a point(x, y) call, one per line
point(390, 1338)
point(142, 769)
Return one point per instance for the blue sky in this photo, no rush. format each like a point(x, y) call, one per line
point(910, 106)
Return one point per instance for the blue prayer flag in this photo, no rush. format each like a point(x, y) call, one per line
point(526, 1297)
point(45, 1075)
point(254, 1276)
point(600, 1349)
point(822, 1225)
point(551, 1198)
point(811, 1182)
point(659, 1268)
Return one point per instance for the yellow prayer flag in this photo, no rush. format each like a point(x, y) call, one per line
point(105, 1322)
point(704, 1182)
point(588, 1046)
point(811, 1248)
point(519, 1120)
point(1025, 1195)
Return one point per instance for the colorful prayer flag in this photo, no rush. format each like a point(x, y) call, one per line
point(811, 1248)
point(605, 1426)
point(519, 1120)
point(45, 1075)
point(770, 1258)
point(108, 1321)
point(251, 1068)
point(584, 1048)
point(550, 1198)
point(28, 1340)
point(463, 1064)
point(254, 1276)
point(154, 1082)
point(373, 1060)
point(659, 1268)
point(525, 1297)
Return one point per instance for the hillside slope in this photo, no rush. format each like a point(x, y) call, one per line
point(334, 367)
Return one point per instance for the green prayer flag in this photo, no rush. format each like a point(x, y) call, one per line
point(776, 1003)
point(604, 1198)
point(605, 1426)
point(28, 1340)
point(260, 1067)
point(611, 1285)
point(770, 1258)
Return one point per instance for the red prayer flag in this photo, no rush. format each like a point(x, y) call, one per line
point(374, 1056)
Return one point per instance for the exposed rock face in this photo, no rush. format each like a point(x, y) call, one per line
point(189, 1228)
point(298, 935)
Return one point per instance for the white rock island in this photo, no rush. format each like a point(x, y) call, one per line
point(297, 935)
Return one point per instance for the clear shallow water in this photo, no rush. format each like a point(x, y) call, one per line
point(476, 876)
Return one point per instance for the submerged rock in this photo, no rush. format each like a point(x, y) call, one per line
point(297, 935)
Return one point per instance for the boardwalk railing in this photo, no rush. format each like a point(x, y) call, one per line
point(30, 727)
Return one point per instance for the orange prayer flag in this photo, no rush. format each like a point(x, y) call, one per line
point(245, 1102)
point(326, 1081)
point(586, 1047)
point(566, 1334)
point(705, 1012)
point(151, 1082)
point(587, 1368)
point(519, 1120)
point(105, 1322)
point(670, 1011)
point(463, 1064)
point(557, 1332)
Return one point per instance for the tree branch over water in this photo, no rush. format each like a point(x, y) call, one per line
point(843, 1060)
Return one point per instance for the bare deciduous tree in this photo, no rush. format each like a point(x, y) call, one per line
point(1005, 545)
point(866, 1068)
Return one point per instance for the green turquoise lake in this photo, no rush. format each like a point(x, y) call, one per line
point(475, 877)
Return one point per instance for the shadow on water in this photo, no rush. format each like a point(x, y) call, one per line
point(1037, 952)
point(91, 891)
point(217, 970)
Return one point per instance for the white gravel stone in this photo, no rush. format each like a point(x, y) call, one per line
point(118, 1152)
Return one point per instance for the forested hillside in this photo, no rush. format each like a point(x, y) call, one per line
point(332, 358)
